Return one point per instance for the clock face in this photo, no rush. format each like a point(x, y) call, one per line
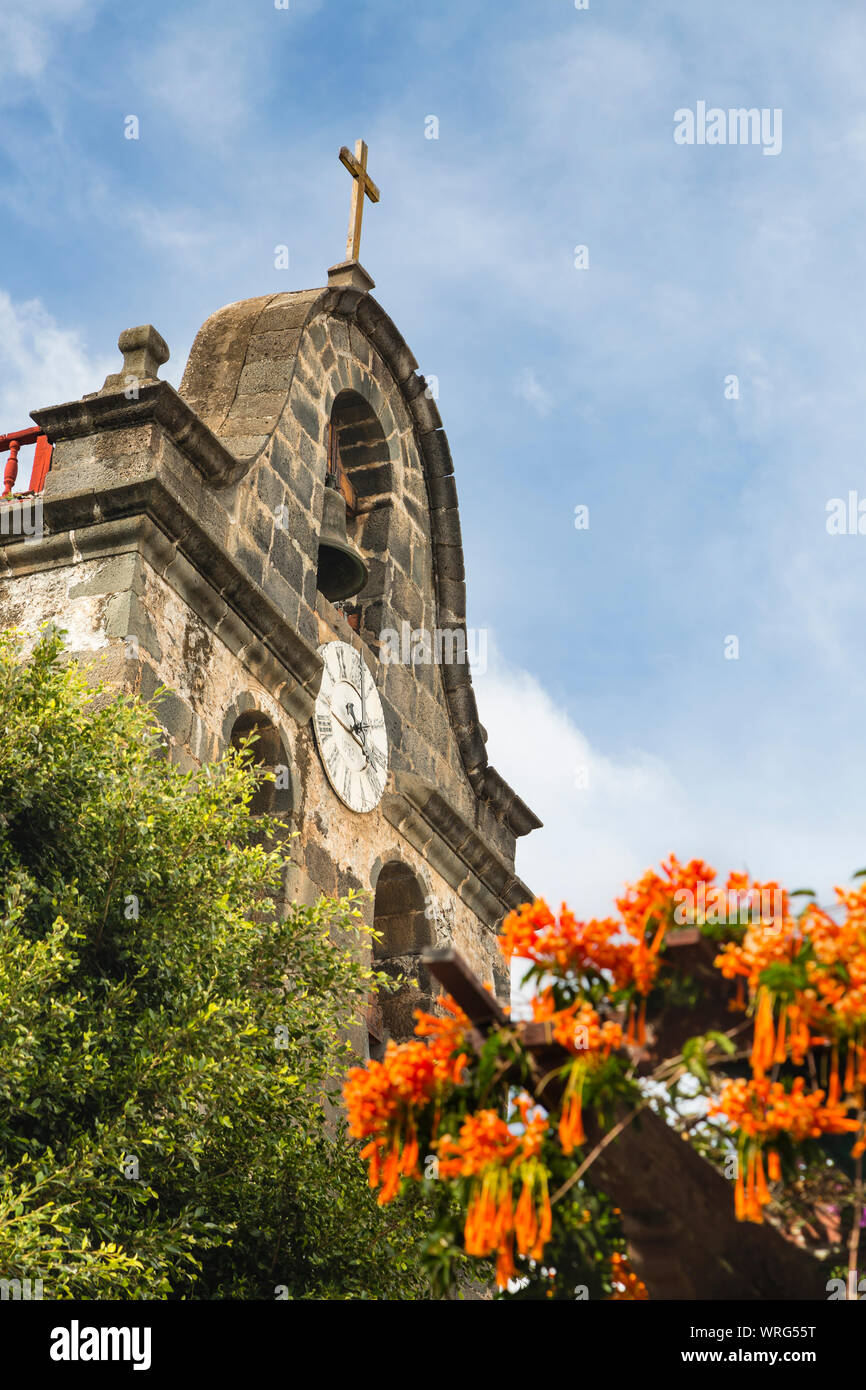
point(350, 728)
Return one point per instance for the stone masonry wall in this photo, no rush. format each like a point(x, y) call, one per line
point(131, 628)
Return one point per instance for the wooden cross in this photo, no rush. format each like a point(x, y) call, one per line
point(357, 166)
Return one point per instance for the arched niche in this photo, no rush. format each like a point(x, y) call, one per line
point(399, 913)
point(275, 798)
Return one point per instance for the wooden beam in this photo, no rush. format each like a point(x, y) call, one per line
point(678, 1218)
point(677, 1209)
point(345, 485)
point(479, 1004)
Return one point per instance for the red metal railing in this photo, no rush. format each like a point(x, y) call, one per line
point(41, 459)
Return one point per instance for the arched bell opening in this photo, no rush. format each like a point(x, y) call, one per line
point(353, 541)
point(406, 930)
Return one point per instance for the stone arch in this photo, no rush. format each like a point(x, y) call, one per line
point(244, 720)
point(399, 913)
point(356, 439)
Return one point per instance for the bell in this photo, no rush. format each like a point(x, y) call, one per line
point(341, 571)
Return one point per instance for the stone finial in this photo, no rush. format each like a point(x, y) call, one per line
point(144, 351)
point(350, 275)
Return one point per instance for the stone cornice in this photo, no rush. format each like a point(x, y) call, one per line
point(484, 880)
point(149, 517)
point(156, 403)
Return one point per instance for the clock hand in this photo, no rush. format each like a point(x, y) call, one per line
point(350, 728)
point(358, 727)
point(359, 731)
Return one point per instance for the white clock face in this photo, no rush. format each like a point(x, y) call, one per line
point(350, 728)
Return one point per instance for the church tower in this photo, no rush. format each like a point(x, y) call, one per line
point(186, 539)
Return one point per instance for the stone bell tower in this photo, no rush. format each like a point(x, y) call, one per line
point(179, 546)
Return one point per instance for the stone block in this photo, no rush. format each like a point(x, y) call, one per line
point(273, 346)
point(442, 491)
point(452, 600)
point(425, 412)
point(287, 560)
point(251, 563)
point(436, 453)
point(261, 528)
point(320, 867)
point(175, 716)
point(243, 443)
point(445, 526)
point(449, 562)
point(110, 577)
point(270, 488)
point(255, 412)
point(283, 315)
point(307, 416)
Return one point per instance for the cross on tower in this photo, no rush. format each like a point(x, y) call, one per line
point(362, 184)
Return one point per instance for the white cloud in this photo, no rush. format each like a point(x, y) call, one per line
point(606, 819)
point(530, 389)
point(32, 33)
point(735, 809)
point(41, 362)
point(199, 75)
point(207, 70)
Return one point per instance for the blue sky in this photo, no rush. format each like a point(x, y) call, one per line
point(602, 387)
